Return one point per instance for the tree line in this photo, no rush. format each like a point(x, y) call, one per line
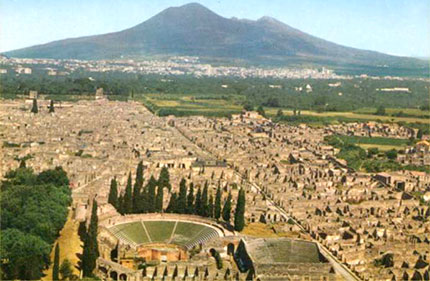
point(139, 198)
point(349, 95)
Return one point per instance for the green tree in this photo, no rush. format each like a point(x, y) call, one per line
point(121, 208)
point(372, 151)
point(217, 210)
point(151, 194)
point(66, 271)
point(226, 211)
point(56, 266)
point(211, 206)
point(113, 193)
point(239, 214)
point(91, 249)
point(82, 230)
point(128, 197)
point(380, 110)
point(164, 178)
point(190, 199)
point(204, 201)
point(51, 107)
point(34, 108)
point(137, 189)
point(159, 199)
point(139, 175)
point(57, 177)
point(172, 203)
point(391, 154)
point(182, 197)
point(420, 134)
point(280, 113)
point(218, 259)
point(198, 202)
point(261, 111)
point(27, 255)
point(248, 107)
point(33, 210)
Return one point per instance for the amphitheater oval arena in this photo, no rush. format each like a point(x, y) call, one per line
point(152, 239)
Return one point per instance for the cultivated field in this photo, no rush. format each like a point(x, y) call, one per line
point(353, 115)
point(223, 106)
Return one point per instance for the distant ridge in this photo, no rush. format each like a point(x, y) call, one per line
point(193, 29)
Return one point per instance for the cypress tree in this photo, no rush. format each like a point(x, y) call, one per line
point(420, 134)
point(82, 231)
point(128, 197)
point(91, 249)
point(56, 267)
point(139, 175)
point(239, 215)
point(143, 199)
point(190, 199)
point(159, 200)
point(150, 197)
point(34, 108)
point(204, 201)
point(182, 197)
point(113, 193)
point(51, 107)
point(211, 207)
point(164, 178)
point(227, 208)
point(217, 210)
point(172, 203)
point(137, 189)
point(136, 199)
point(197, 204)
point(22, 164)
point(121, 204)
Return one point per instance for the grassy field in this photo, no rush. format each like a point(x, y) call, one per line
point(379, 146)
point(352, 115)
point(186, 233)
point(190, 105)
point(135, 232)
point(70, 246)
point(409, 112)
point(159, 231)
point(374, 140)
point(223, 106)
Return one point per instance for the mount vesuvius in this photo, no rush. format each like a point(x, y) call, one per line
point(195, 30)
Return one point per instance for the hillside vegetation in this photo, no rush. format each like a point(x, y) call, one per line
point(34, 208)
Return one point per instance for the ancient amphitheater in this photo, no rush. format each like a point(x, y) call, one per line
point(155, 239)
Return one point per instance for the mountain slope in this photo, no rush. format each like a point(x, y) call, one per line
point(195, 30)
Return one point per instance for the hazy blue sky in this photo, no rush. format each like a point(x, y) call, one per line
point(399, 27)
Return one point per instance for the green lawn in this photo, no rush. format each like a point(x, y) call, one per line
point(159, 231)
point(374, 140)
point(186, 231)
point(132, 231)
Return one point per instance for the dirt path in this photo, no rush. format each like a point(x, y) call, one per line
point(70, 246)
